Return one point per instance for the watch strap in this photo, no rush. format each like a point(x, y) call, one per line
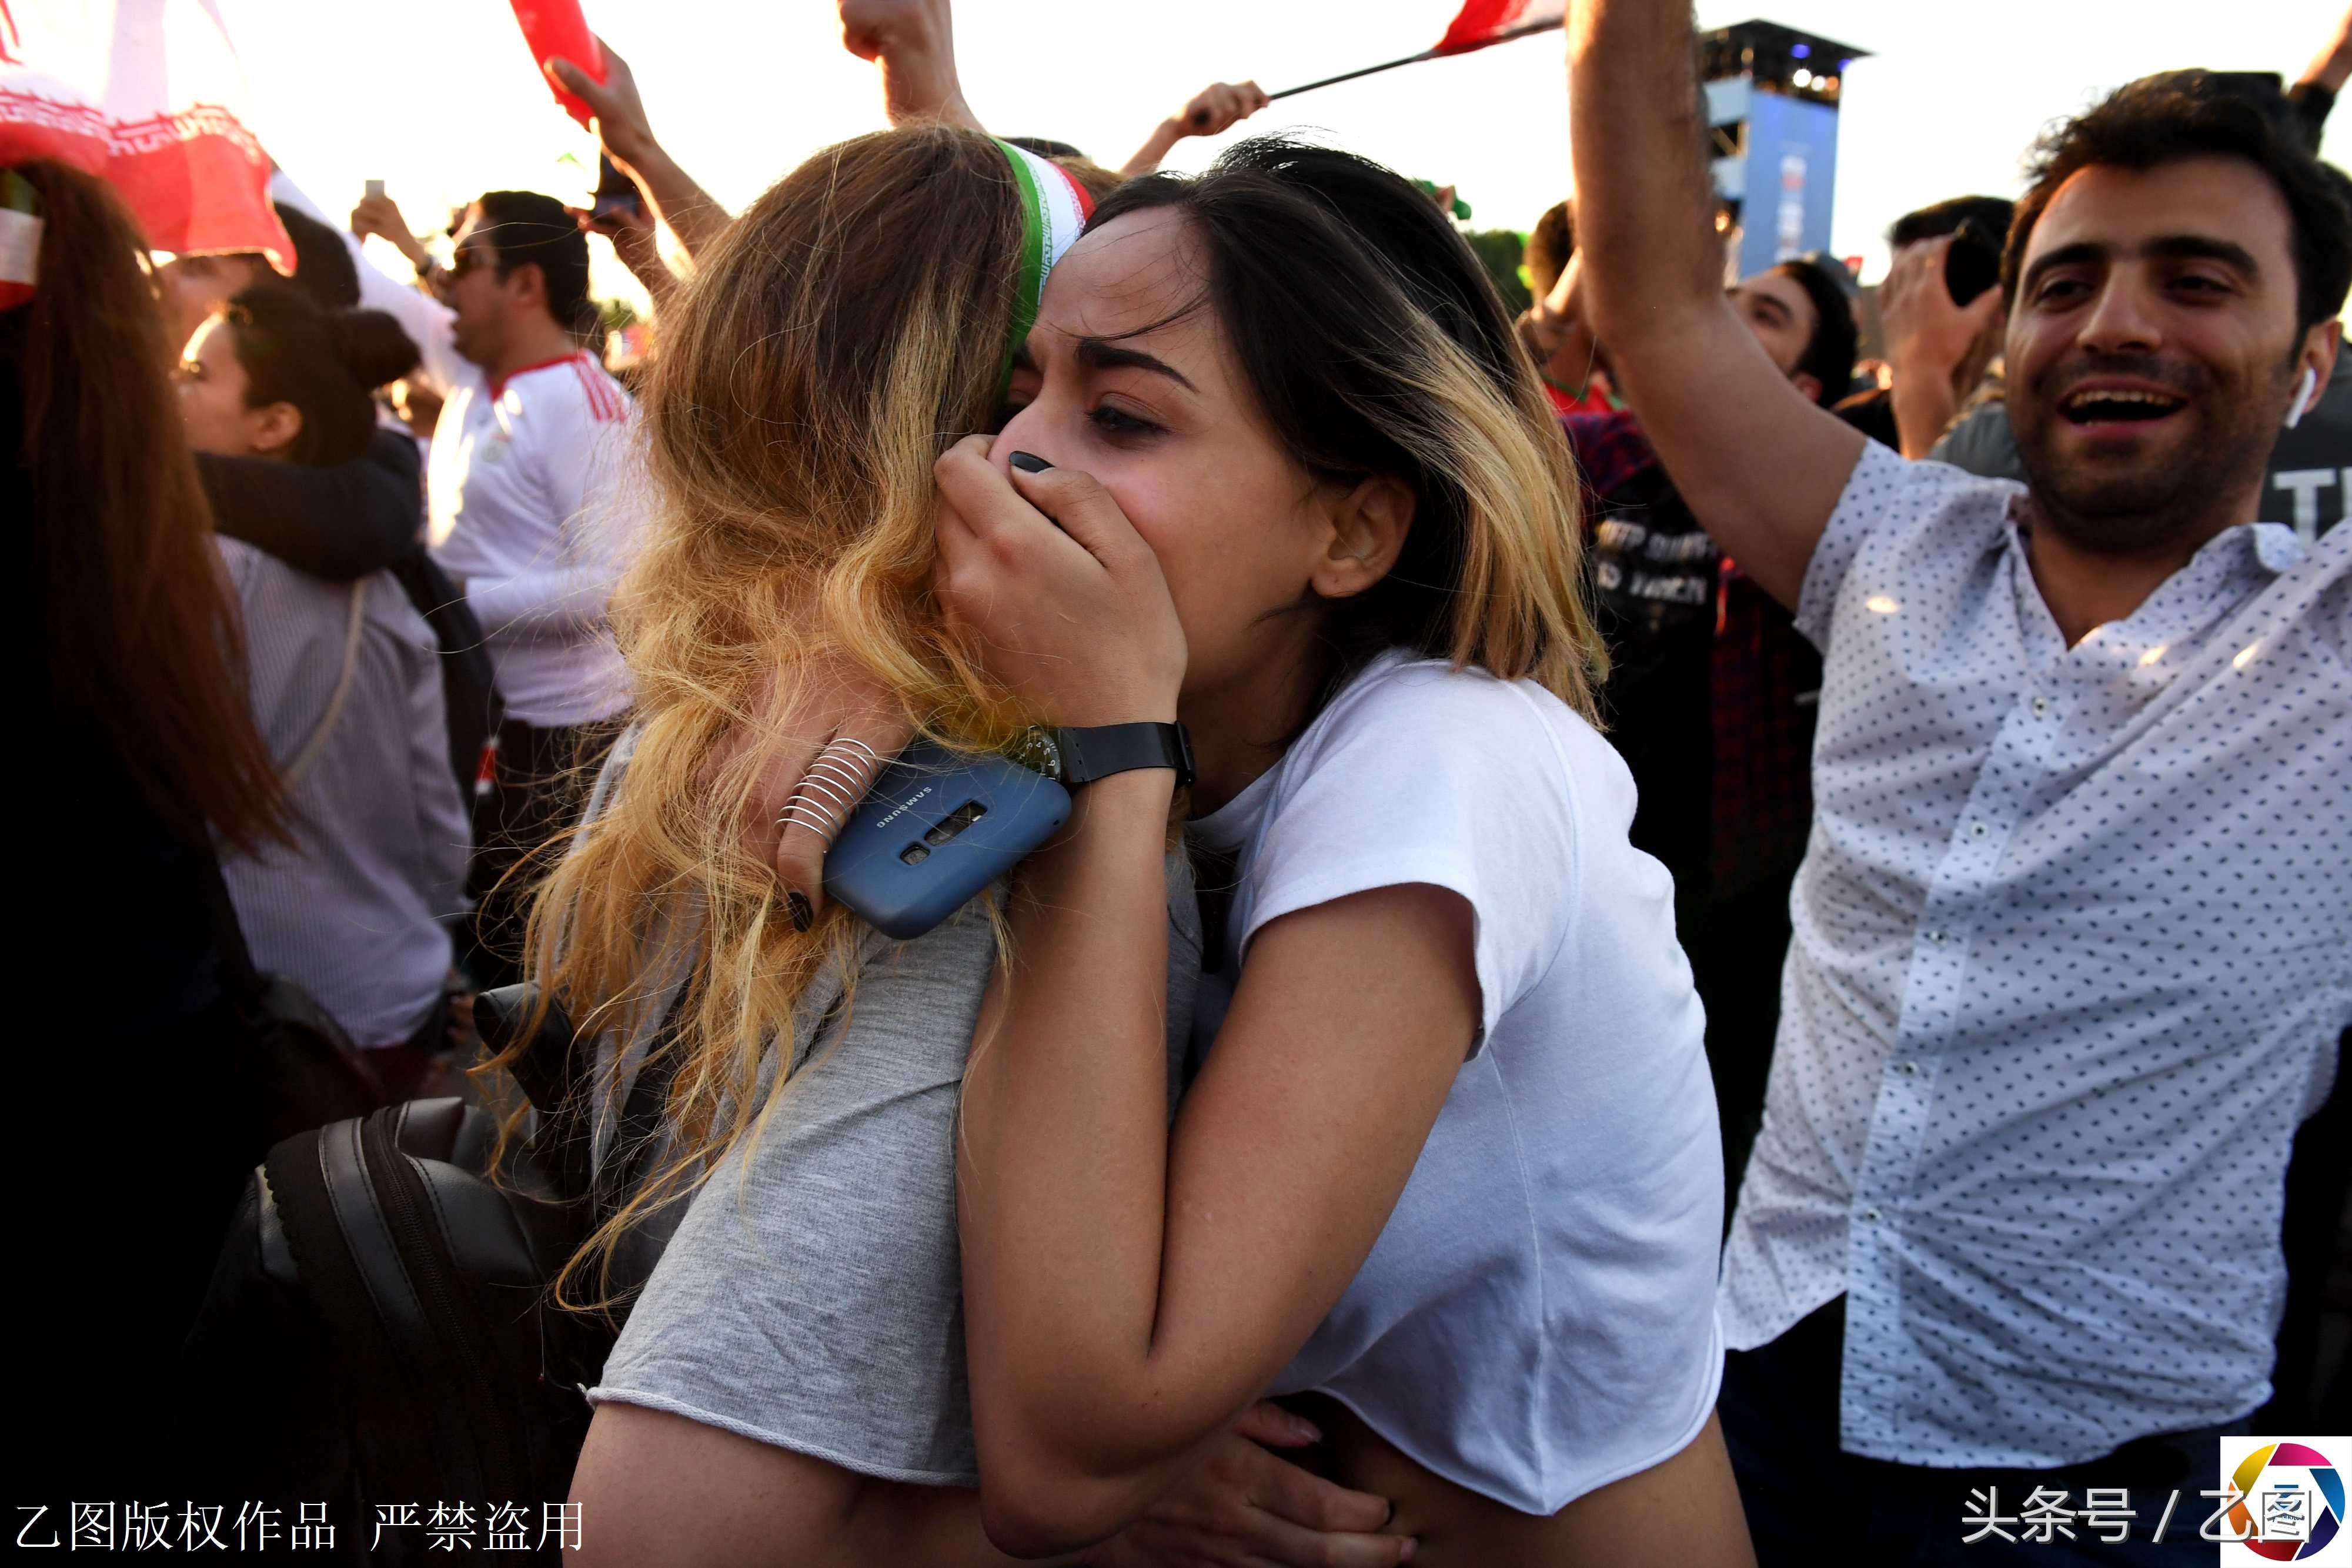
point(1087, 755)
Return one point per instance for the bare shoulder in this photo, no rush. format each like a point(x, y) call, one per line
point(658, 1487)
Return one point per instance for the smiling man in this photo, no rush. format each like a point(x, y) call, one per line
point(2064, 980)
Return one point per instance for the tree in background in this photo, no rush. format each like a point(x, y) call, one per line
point(1500, 250)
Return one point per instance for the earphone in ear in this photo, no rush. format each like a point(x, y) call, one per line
point(2304, 389)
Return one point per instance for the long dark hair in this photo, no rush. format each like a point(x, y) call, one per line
point(324, 363)
point(1375, 345)
point(138, 637)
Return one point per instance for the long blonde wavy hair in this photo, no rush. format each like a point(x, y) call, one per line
point(839, 336)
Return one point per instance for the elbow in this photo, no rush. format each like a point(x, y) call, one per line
point(1036, 1501)
point(1035, 1511)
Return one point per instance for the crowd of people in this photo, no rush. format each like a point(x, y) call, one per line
point(1671, 947)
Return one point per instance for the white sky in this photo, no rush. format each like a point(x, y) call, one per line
point(439, 97)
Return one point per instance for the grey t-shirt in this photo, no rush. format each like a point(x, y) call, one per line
point(812, 1295)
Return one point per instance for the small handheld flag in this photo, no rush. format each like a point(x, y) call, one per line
point(555, 29)
point(1479, 24)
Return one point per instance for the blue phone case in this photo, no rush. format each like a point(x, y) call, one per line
point(934, 829)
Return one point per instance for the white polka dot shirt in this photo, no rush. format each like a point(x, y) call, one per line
point(2073, 951)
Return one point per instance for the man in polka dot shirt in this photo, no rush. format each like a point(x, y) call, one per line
point(2074, 930)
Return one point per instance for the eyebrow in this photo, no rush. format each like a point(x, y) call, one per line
point(1760, 301)
point(1101, 354)
point(2164, 247)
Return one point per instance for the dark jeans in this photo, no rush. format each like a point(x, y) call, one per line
point(1809, 1503)
point(541, 781)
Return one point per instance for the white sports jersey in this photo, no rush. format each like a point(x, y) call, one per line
point(527, 513)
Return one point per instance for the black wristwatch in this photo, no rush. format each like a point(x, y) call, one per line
point(1078, 756)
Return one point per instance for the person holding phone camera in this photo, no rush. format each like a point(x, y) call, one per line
point(1940, 314)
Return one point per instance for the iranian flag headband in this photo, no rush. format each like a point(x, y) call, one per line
point(20, 238)
point(1054, 208)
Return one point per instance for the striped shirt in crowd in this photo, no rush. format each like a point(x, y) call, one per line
point(358, 916)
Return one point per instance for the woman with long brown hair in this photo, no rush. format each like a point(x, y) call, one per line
point(143, 757)
point(789, 1385)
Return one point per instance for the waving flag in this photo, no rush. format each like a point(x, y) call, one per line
point(1480, 23)
point(145, 94)
point(1484, 22)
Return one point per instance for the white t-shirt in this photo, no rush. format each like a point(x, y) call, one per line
point(1538, 1317)
point(529, 506)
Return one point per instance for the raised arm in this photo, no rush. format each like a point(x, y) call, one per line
point(1935, 349)
point(2314, 92)
point(2332, 67)
point(914, 43)
point(627, 137)
point(1213, 110)
point(1760, 466)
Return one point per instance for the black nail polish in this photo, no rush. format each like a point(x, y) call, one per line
point(1030, 463)
point(797, 904)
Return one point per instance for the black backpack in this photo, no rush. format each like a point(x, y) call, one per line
point(378, 1339)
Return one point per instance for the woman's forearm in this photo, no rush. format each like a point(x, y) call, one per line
point(1156, 148)
point(674, 198)
point(1127, 1289)
point(1063, 1163)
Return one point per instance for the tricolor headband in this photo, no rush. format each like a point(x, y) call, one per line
point(20, 238)
point(1054, 208)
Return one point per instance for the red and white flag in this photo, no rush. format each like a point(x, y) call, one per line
point(1484, 22)
point(148, 95)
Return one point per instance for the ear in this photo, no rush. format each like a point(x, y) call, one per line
point(273, 427)
point(526, 285)
point(1807, 384)
point(1368, 526)
point(2320, 347)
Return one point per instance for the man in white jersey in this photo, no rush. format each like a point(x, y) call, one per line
point(2074, 929)
point(528, 514)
